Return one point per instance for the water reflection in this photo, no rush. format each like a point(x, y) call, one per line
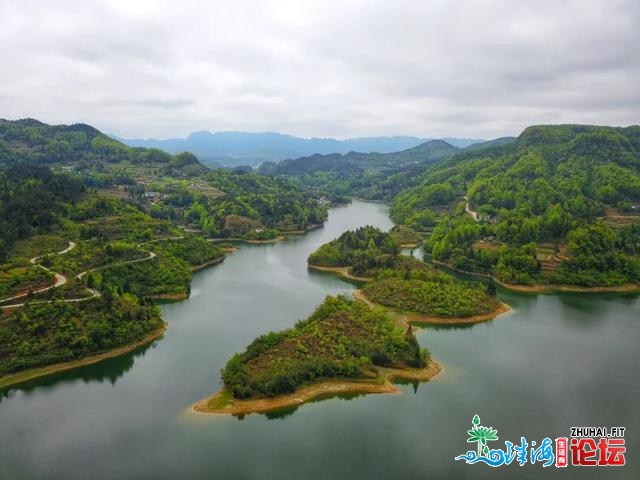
point(449, 326)
point(320, 275)
point(109, 370)
point(284, 412)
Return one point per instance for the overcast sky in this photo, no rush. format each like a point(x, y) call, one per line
point(325, 68)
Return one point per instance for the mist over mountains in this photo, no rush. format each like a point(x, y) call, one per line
point(242, 148)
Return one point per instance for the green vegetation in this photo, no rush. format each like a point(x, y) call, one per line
point(405, 235)
point(373, 176)
point(16, 280)
point(32, 201)
point(191, 249)
point(123, 208)
point(402, 282)
point(342, 338)
point(448, 298)
point(178, 188)
point(100, 160)
point(253, 206)
point(364, 249)
point(169, 273)
point(115, 241)
point(558, 206)
point(54, 332)
point(91, 254)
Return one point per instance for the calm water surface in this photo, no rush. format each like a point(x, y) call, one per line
point(557, 361)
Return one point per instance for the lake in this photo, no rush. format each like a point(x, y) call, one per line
point(555, 362)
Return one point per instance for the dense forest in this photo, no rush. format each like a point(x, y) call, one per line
point(99, 159)
point(41, 334)
point(342, 338)
point(362, 250)
point(32, 200)
point(560, 206)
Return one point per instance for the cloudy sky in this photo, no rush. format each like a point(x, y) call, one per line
point(324, 68)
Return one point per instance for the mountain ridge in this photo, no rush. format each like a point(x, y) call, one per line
point(233, 148)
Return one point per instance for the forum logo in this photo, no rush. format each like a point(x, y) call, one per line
point(589, 447)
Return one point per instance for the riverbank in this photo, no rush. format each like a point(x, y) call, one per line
point(341, 271)
point(306, 230)
point(170, 297)
point(279, 238)
point(223, 403)
point(215, 261)
point(542, 287)
point(407, 318)
point(25, 375)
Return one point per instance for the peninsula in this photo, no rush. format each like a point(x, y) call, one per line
point(343, 347)
point(405, 284)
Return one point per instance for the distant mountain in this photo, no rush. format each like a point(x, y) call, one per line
point(359, 163)
point(240, 148)
point(378, 176)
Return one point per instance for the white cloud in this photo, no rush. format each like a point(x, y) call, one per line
point(330, 68)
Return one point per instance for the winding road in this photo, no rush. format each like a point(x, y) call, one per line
point(61, 279)
point(473, 213)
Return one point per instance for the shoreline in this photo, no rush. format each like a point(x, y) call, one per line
point(418, 318)
point(202, 266)
point(364, 200)
point(33, 373)
point(170, 297)
point(545, 288)
point(279, 238)
point(306, 230)
point(384, 383)
point(341, 271)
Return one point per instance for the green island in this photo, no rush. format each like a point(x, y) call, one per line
point(94, 231)
point(343, 347)
point(403, 283)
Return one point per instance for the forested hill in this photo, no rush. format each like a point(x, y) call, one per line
point(368, 175)
point(85, 149)
point(559, 205)
point(355, 161)
point(172, 187)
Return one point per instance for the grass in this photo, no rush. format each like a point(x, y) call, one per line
point(221, 400)
point(22, 279)
point(38, 245)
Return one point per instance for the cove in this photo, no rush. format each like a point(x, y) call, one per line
point(556, 361)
